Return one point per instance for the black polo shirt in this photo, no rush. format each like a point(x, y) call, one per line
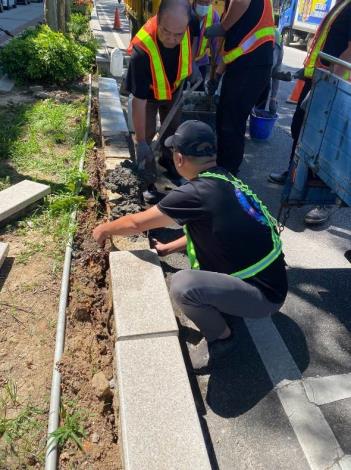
point(226, 237)
point(139, 78)
point(263, 55)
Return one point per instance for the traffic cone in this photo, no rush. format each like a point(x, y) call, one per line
point(117, 22)
point(295, 94)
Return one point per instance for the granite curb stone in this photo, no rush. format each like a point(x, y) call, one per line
point(4, 249)
point(19, 196)
point(159, 421)
point(140, 297)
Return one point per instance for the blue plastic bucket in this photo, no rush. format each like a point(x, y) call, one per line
point(261, 124)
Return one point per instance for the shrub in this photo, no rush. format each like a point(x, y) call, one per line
point(78, 25)
point(41, 54)
point(82, 6)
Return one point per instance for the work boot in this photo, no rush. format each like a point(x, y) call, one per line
point(317, 216)
point(152, 196)
point(205, 354)
point(278, 178)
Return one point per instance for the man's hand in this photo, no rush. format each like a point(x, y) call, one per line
point(100, 234)
point(214, 31)
point(161, 248)
point(143, 154)
point(196, 74)
point(212, 85)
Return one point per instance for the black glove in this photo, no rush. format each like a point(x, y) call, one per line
point(214, 31)
point(143, 154)
point(212, 85)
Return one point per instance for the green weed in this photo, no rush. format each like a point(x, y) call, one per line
point(22, 430)
point(72, 427)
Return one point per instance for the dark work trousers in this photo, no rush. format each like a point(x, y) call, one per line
point(163, 108)
point(204, 296)
point(297, 120)
point(241, 88)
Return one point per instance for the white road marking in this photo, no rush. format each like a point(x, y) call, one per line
point(323, 390)
point(314, 434)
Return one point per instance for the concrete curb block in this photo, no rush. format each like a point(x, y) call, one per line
point(141, 302)
point(102, 55)
point(4, 249)
point(19, 196)
point(159, 421)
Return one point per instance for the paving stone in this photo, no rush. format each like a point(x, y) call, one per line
point(6, 84)
point(20, 196)
point(117, 152)
point(160, 425)
point(4, 249)
point(113, 123)
point(140, 297)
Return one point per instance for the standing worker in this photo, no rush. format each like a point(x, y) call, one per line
point(161, 59)
point(207, 16)
point(333, 37)
point(232, 242)
point(248, 30)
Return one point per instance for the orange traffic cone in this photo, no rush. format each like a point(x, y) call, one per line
point(295, 94)
point(117, 22)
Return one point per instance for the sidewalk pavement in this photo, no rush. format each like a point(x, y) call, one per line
point(18, 19)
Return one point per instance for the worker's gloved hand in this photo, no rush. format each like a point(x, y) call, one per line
point(143, 154)
point(215, 31)
point(212, 85)
point(196, 74)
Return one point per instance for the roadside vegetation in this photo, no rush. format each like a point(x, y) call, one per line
point(40, 140)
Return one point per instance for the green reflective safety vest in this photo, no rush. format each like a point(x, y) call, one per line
point(260, 265)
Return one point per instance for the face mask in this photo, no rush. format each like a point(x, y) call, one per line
point(201, 10)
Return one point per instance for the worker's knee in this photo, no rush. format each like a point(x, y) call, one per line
point(182, 287)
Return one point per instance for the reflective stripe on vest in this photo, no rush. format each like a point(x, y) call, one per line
point(263, 32)
point(146, 39)
point(312, 61)
point(201, 50)
point(271, 223)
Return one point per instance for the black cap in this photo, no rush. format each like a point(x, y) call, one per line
point(194, 139)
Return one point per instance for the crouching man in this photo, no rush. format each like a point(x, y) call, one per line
point(231, 239)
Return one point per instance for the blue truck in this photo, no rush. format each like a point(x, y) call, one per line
point(320, 173)
point(299, 19)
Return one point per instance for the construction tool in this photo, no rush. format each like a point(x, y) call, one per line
point(181, 96)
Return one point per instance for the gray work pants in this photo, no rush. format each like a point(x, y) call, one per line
point(203, 296)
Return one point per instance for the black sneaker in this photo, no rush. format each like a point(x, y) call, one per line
point(278, 178)
point(205, 354)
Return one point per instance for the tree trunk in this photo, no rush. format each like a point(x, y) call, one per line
point(61, 10)
point(51, 14)
point(68, 11)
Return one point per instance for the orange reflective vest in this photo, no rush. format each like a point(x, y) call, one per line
point(312, 60)
point(263, 32)
point(146, 39)
point(201, 50)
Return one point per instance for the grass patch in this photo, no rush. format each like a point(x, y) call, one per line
point(43, 141)
point(22, 426)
